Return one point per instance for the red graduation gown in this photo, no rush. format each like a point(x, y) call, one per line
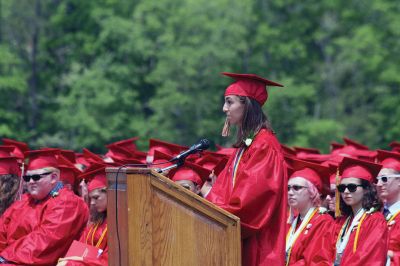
point(372, 242)
point(314, 244)
point(394, 240)
point(86, 238)
point(258, 198)
point(39, 233)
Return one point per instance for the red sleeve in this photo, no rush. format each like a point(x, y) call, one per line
point(5, 220)
point(259, 189)
point(372, 245)
point(61, 223)
point(394, 241)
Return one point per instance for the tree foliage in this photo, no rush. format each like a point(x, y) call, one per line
point(84, 73)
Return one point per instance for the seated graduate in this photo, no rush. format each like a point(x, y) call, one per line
point(361, 232)
point(40, 227)
point(388, 187)
point(309, 238)
point(9, 181)
point(94, 237)
point(190, 176)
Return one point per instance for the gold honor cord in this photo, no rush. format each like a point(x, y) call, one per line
point(302, 226)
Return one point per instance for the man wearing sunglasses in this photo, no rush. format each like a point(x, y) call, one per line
point(38, 229)
point(388, 187)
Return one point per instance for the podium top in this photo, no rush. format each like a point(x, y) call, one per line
point(165, 184)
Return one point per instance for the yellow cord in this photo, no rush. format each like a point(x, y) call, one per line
point(291, 229)
point(358, 232)
point(337, 196)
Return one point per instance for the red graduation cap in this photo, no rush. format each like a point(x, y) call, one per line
point(80, 159)
point(45, 157)
point(208, 161)
point(287, 150)
point(317, 174)
point(225, 151)
point(212, 163)
point(69, 155)
point(350, 167)
point(97, 177)
point(20, 147)
point(249, 85)
point(161, 159)
point(333, 167)
point(6, 150)
point(395, 145)
point(91, 157)
point(316, 158)
point(355, 144)
point(68, 172)
point(389, 159)
point(128, 144)
point(303, 150)
point(336, 146)
point(165, 147)
point(118, 152)
point(9, 165)
point(192, 172)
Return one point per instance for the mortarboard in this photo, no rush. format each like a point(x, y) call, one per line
point(249, 85)
point(350, 167)
point(389, 159)
point(45, 157)
point(317, 174)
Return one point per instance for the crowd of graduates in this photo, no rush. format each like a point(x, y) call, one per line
point(296, 206)
point(54, 201)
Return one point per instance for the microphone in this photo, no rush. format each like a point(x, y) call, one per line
point(200, 146)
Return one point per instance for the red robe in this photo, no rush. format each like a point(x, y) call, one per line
point(394, 240)
point(87, 239)
point(258, 198)
point(314, 244)
point(372, 242)
point(38, 233)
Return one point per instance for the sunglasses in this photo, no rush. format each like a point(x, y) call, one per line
point(385, 178)
point(350, 187)
point(295, 187)
point(36, 177)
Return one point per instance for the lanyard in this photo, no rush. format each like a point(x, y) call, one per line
point(342, 241)
point(293, 234)
point(236, 164)
point(93, 233)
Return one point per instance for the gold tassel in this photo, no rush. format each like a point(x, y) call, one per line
point(337, 196)
point(226, 128)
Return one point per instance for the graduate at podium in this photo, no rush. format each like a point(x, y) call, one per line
point(253, 184)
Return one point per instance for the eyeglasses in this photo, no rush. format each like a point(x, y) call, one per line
point(350, 187)
point(385, 178)
point(295, 187)
point(35, 177)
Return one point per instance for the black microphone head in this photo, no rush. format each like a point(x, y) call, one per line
point(205, 144)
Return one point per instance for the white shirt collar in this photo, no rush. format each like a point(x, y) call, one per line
point(394, 208)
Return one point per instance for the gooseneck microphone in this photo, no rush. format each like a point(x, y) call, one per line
point(200, 146)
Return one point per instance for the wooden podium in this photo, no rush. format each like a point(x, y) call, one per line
point(153, 221)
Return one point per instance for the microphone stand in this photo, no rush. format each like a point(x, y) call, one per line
point(175, 165)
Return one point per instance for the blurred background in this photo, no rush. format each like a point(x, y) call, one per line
point(86, 73)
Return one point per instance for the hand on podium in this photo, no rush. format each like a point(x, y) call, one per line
point(205, 189)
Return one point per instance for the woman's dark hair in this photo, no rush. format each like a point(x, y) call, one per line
point(254, 119)
point(95, 216)
point(9, 185)
point(370, 199)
